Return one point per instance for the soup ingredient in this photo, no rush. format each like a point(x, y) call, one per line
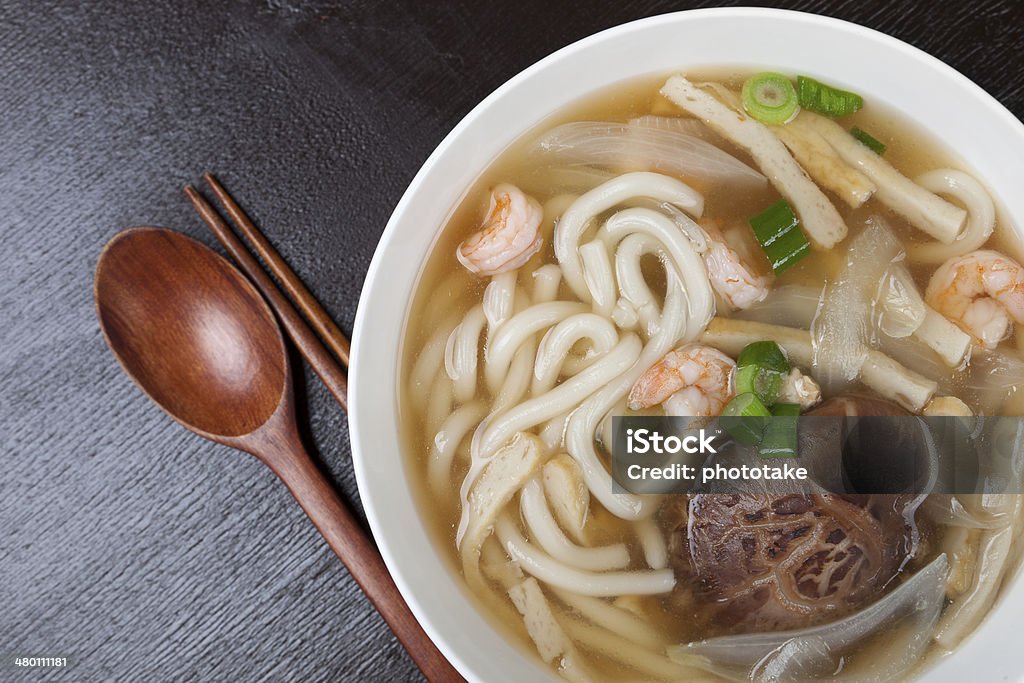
point(924, 210)
point(553, 645)
point(693, 380)
point(770, 98)
point(818, 651)
point(733, 280)
point(981, 292)
point(760, 369)
point(824, 99)
point(900, 308)
point(841, 330)
point(746, 405)
point(879, 372)
point(509, 235)
point(597, 584)
point(868, 140)
point(504, 474)
point(824, 225)
point(770, 562)
point(544, 530)
point(963, 614)
point(948, 341)
point(745, 417)
point(981, 215)
point(786, 305)
point(947, 405)
point(630, 147)
point(825, 166)
point(800, 389)
point(679, 124)
point(629, 186)
point(567, 494)
point(858, 405)
point(780, 434)
point(778, 231)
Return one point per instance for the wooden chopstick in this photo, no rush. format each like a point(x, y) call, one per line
point(309, 345)
point(307, 303)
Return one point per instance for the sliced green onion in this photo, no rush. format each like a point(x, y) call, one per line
point(824, 99)
point(760, 370)
point(744, 417)
point(770, 98)
point(778, 231)
point(786, 410)
point(779, 438)
point(868, 140)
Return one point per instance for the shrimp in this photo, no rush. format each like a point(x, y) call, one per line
point(730, 277)
point(981, 292)
point(693, 380)
point(509, 235)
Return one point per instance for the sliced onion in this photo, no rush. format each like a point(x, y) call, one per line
point(628, 147)
point(680, 124)
point(841, 330)
point(901, 309)
point(789, 306)
point(800, 654)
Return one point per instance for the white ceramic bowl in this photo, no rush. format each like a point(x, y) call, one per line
point(988, 138)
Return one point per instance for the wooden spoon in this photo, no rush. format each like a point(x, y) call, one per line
point(196, 336)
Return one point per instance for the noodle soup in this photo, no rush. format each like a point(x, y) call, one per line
point(649, 251)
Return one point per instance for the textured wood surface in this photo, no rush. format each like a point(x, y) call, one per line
point(127, 543)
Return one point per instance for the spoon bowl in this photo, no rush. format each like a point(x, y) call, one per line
point(191, 331)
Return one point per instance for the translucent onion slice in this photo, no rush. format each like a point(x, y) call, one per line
point(841, 331)
point(901, 309)
point(630, 147)
point(913, 609)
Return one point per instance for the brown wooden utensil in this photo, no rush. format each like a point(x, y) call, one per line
point(198, 339)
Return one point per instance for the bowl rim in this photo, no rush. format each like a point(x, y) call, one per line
point(362, 384)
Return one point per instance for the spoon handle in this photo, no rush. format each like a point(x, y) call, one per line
point(358, 553)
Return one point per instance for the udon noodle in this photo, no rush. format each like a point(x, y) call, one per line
point(607, 267)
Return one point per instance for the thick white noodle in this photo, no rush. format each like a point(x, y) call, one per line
point(653, 543)
point(558, 342)
point(981, 215)
point(546, 532)
point(597, 271)
point(545, 283)
point(440, 403)
point(625, 315)
point(577, 219)
point(462, 352)
point(562, 398)
point(613, 618)
point(517, 379)
point(597, 584)
point(584, 422)
point(655, 666)
point(446, 442)
point(552, 432)
point(499, 299)
point(689, 265)
point(522, 326)
point(429, 363)
point(628, 259)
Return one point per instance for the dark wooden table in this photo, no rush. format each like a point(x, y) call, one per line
point(139, 550)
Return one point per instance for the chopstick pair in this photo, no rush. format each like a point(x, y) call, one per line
point(330, 368)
